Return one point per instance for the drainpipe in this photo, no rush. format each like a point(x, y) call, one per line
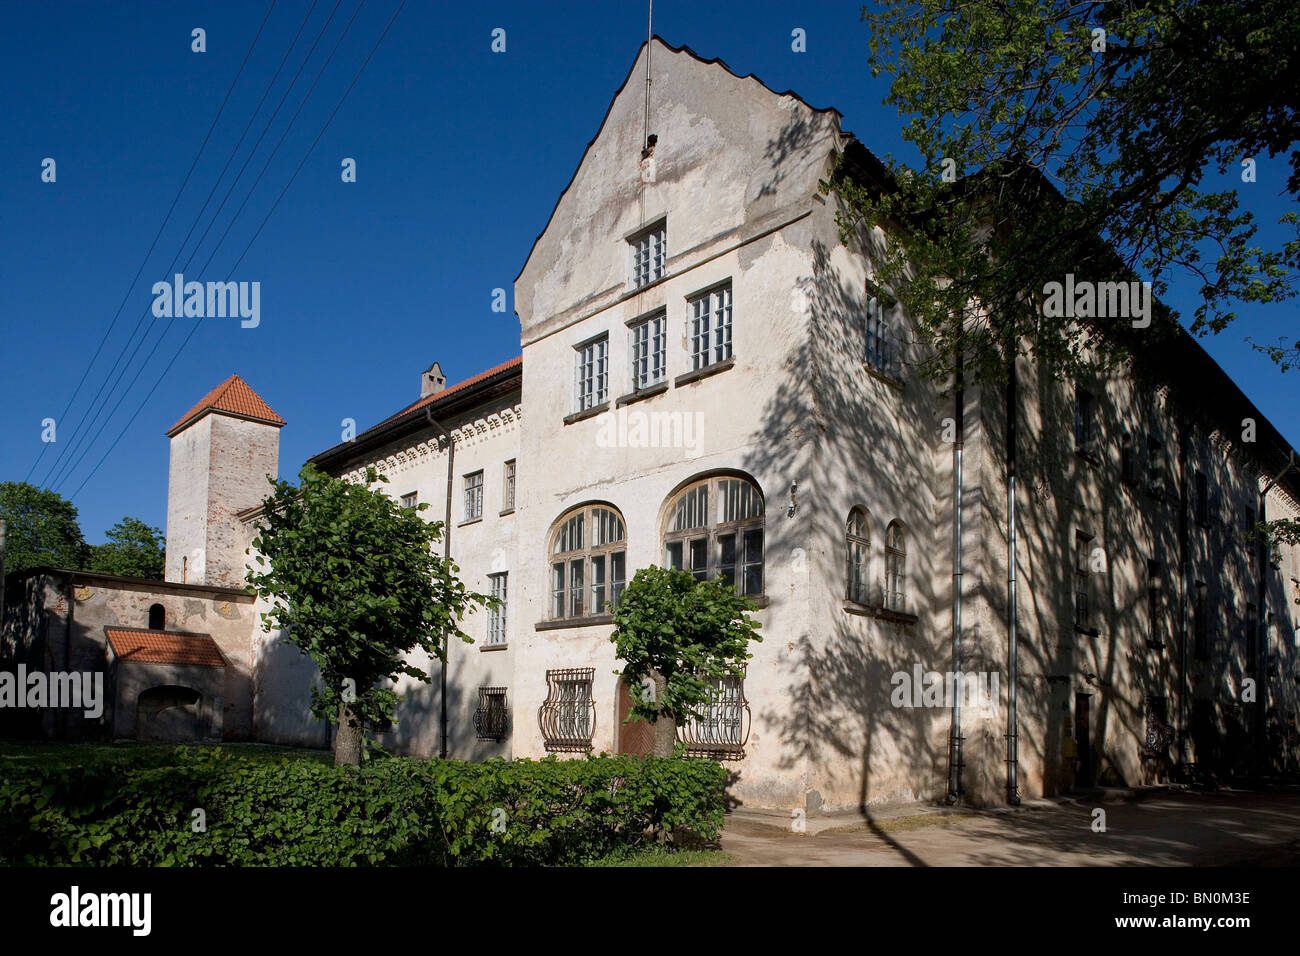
point(1013, 758)
point(954, 752)
point(1184, 589)
point(1261, 618)
point(446, 541)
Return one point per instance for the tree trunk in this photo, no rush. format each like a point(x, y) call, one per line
point(665, 726)
point(347, 742)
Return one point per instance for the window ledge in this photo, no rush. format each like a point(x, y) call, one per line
point(493, 647)
point(637, 290)
point(705, 372)
point(571, 622)
point(758, 600)
point(508, 511)
point(641, 394)
point(1090, 631)
point(873, 610)
point(470, 521)
point(587, 413)
point(879, 373)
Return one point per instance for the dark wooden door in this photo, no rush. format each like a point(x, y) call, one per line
point(1083, 778)
point(638, 737)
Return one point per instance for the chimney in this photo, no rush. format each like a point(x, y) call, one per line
point(432, 380)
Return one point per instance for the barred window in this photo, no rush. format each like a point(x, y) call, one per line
point(588, 563)
point(491, 717)
point(879, 350)
point(857, 546)
point(649, 253)
point(896, 566)
point(722, 728)
point(568, 715)
point(1155, 466)
point(497, 617)
point(1085, 410)
point(474, 496)
point(591, 374)
point(711, 327)
point(1082, 581)
point(649, 351)
point(726, 543)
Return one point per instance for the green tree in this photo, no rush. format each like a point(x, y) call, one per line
point(356, 583)
point(41, 528)
point(1076, 137)
point(683, 635)
point(133, 549)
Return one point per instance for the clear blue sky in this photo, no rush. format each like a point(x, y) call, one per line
point(461, 154)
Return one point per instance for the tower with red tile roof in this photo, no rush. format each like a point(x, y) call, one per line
point(222, 451)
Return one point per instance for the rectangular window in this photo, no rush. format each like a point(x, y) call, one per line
point(411, 500)
point(879, 351)
point(474, 496)
point(1155, 604)
point(1202, 499)
point(1085, 409)
point(1155, 467)
point(649, 351)
point(711, 327)
point(567, 714)
point(490, 718)
point(1082, 581)
point(1252, 641)
point(1201, 619)
point(497, 619)
point(508, 496)
point(1128, 460)
point(592, 374)
point(649, 253)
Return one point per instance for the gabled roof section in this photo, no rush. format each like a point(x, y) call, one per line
point(718, 61)
point(135, 645)
point(234, 397)
point(494, 381)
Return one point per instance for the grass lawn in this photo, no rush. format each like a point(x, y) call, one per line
point(663, 857)
point(52, 755)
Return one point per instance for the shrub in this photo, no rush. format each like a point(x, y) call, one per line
point(390, 812)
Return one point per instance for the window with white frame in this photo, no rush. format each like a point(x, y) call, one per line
point(567, 716)
point(649, 253)
point(591, 374)
point(496, 635)
point(649, 351)
point(508, 494)
point(474, 496)
point(588, 563)
point(411, 500)
point(879, 350)
point(723, 542)
point(857, 543)
point(895, 566)
point(711, 327)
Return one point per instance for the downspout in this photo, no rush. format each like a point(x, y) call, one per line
point(1013, 757)
point(1261, 618)
point(446, 541)
point(1184, 591)
point(954, 752)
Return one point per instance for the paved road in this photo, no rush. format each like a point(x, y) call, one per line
point(1164, 829)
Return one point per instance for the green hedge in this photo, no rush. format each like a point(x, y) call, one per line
point(397, 812)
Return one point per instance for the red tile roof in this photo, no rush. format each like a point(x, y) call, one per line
point(234, 396)
point(516, 362)
point(138, 646)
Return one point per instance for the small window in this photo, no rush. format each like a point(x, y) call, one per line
point(649, 254)
point(1201, 619)
point(157, 617)
point(591, 374)
point(490, 718)
point(711, 327)
point(1252, 642)
point(895, 567)
point(1085, 410)
point(1155, 466)
point(1155, 604)
point(1202, 499)
point(1128, 459)
point(879, 348)
point(508, 496)
point(857, 545)
point(649, 351)
point(496, 635)
point(411, 500)
point(568, 715)
point(474, 496)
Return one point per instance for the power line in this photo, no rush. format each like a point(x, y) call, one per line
point(58, 475)
point(86, 374)
point(265, 219)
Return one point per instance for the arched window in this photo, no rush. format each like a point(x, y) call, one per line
point(857, 542)
point(895, 566)
point(588, 562)
point(723, 541)
point(157, 617)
